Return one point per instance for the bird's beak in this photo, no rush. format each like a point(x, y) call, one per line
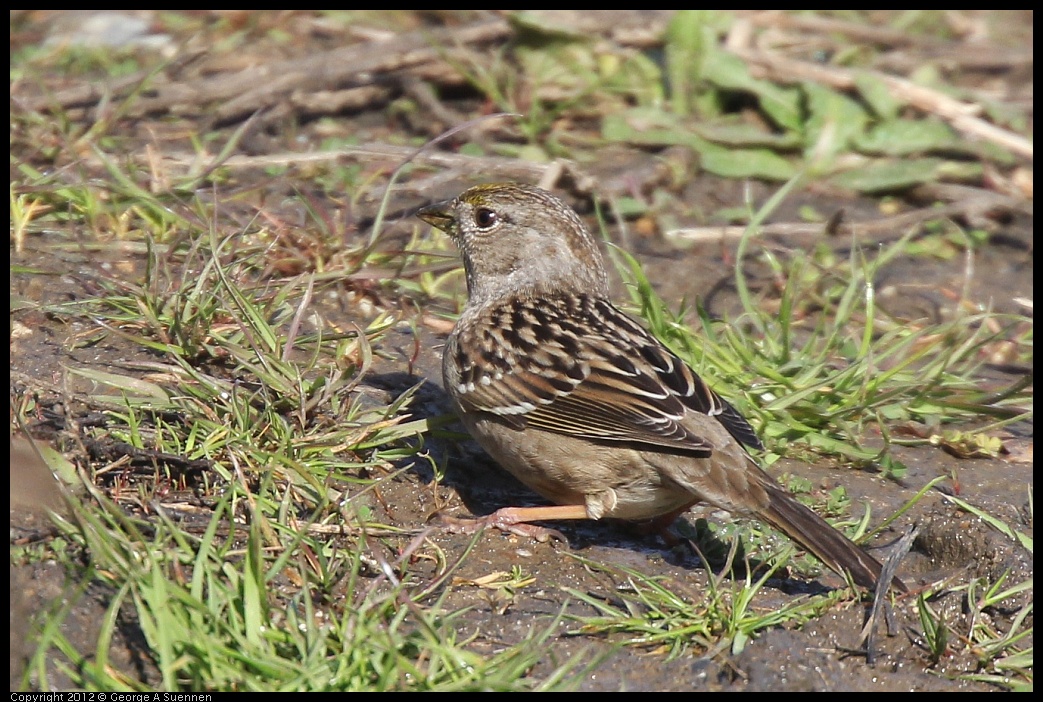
point(437, 215)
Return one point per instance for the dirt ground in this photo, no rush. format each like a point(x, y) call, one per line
point(819, 656)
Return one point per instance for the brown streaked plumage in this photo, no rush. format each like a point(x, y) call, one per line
point(582, 404)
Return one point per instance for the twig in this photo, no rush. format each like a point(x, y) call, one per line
point(262, 86)
point(952, 54)
point(876, 231)
point(960, 115)
point(508, 168)
point(882, 36)
point(880, 596)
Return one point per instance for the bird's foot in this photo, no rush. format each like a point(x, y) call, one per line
point(517, 521)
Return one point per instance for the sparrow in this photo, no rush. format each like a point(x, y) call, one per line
point(580, 402)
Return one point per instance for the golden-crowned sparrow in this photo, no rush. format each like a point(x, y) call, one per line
point(582, 404)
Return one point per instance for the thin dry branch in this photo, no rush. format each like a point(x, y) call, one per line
point(952, 54)
point(875, 231)
point(882, 36)
point(961, 115)
point(460, 165)
point(262, 86)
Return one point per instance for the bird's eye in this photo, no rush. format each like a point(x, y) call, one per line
point(485, 218)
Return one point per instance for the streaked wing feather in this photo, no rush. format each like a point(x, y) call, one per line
point(692, 390)
point(602, 390)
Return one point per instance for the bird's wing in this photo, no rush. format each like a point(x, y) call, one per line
point(576, 365)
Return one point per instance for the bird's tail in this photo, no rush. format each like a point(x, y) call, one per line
point(812, 532)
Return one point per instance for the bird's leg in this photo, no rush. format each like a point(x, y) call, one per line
point(516, 520)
